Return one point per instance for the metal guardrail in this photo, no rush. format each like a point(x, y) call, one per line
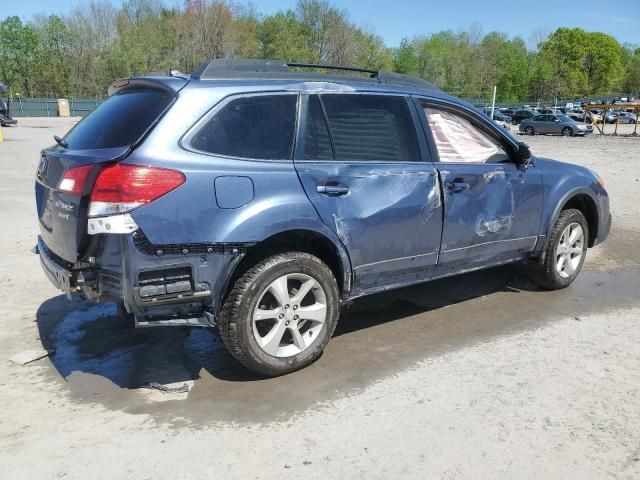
point(48, 107)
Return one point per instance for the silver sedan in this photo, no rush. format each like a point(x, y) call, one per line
point(558, 124)
point(627, 117)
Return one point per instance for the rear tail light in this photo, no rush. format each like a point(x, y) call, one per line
point(121, 188)
point(74, 179)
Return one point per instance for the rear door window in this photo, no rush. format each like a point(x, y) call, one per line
point(256, 126)
point(317, 142)
point(371, 127)
point(119, 121)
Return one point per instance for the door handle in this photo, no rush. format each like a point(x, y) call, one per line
point(456, 186)
point(333, 190)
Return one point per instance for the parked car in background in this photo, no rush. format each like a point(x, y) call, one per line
point(554, 124)
point(580, 116)
point(596, 115)
point(552, 111)
point(611, 116)
point(498, 115)
point(521, 115)
point(627, 117)
point(5, 114)
point(258, 199)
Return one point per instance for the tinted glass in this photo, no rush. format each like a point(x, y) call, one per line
point(120, 120)
point(260, 126)
point(371, 127)
point(317, 144)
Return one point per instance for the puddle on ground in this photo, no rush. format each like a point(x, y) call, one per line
point(105, 360)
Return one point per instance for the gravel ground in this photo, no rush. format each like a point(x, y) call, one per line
point(482, 376)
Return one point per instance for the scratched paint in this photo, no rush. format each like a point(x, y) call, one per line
point(495, 225)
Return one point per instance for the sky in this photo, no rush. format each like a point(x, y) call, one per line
point(395, 19)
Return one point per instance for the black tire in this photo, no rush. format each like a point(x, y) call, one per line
point(235, 322)
point(546, 274)
point(567, 132)
point(529, 131)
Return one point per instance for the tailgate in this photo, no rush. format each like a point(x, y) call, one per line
point(104, 136)
point(62, 215)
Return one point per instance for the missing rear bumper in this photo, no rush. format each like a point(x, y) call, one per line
point(173, 283)
point(60, 277)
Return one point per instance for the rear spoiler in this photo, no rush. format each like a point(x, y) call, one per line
point(169, 84)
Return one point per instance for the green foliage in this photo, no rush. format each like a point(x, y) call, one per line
point(80, 54)
point(573, 62)
point(405, 60)
point(20, 54)
point(54, 64)
point(631, 81)
point(281, 36)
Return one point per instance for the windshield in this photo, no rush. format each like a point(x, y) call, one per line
point(564, 118)
point(120, 120)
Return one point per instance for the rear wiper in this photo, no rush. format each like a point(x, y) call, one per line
point(60, 141)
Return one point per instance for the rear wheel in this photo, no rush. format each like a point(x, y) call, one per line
point(281, 313)
point(565, 252)
point(567, 132)
point(529, 130)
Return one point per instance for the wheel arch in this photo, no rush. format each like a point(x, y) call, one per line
point(314, 242)
point(581, 199)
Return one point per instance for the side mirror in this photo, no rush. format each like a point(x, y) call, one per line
point(522, 154)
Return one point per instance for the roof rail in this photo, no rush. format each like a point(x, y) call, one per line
point(372, 73)
point(236, 68)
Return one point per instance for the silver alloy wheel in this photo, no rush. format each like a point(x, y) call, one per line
point(289, 315)
point(570, 250)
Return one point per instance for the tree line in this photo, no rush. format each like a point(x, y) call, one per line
point(79, 54)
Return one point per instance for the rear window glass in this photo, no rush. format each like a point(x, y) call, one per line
point(371, 127)
point(120, 120)
point(259, 126)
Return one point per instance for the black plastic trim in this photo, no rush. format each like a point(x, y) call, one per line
point(143, 244)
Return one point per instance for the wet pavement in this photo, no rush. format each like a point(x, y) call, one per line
point(100, 358)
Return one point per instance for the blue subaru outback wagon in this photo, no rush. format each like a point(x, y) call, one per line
point(257, 196)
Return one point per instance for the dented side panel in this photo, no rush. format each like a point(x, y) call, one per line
point(492, 211)
point(390, 221)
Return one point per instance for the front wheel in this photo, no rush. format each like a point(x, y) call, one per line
point(281, 313)
point(565, 252)
point(528, 130)
point(567, 132)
